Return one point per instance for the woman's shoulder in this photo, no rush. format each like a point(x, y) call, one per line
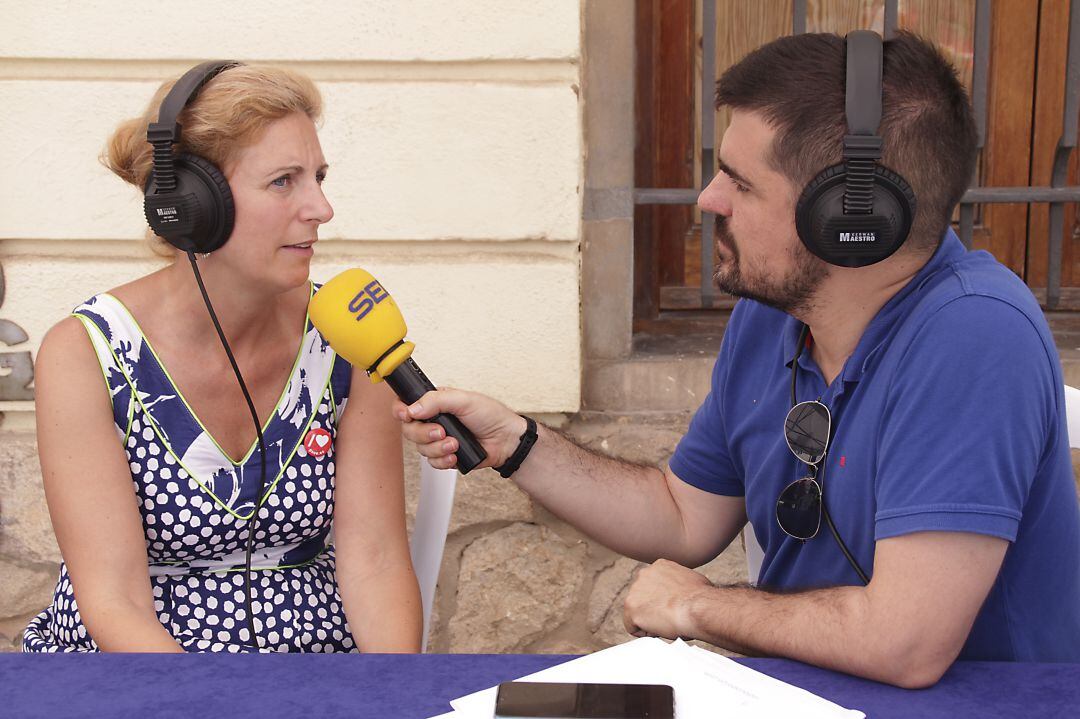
point(65, 335)
point(66, 355)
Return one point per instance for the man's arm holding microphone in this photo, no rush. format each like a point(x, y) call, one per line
point(639, 511)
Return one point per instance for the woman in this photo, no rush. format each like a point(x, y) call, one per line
point(151, 476)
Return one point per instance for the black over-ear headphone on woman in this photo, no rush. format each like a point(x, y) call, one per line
point(187, 198)
point(188, 203)
point(858, 212)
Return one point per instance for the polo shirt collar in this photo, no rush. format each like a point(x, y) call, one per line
point(875, 333)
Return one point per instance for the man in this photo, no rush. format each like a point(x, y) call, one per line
point(929, 399)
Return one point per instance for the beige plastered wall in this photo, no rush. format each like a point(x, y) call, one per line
point(455, 136)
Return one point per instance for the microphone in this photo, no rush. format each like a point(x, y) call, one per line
point(363, 324)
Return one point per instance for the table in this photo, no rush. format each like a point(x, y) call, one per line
point(392, 686)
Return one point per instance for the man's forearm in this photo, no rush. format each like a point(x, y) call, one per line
point(624, 506)
point(836, 628)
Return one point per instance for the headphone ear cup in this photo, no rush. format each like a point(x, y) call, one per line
point(221, 193)
point(854, 240)
point(198, 215)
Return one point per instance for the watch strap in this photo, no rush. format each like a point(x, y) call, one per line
point(525, 445)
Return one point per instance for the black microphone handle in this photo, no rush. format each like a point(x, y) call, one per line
point(410, 384)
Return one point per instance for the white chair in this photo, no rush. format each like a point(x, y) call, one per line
point(755, 554)
point(429, 533)
point(1072, 415)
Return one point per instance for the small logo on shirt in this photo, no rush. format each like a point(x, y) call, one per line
point(317, 443)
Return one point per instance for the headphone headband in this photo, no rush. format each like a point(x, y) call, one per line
point(183, 92)
point(862, 106)
point(863, 102)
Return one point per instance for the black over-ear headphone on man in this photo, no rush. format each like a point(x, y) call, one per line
point(187, 198)
point(858, 212)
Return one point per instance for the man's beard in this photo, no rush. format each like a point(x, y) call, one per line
point(793, 294)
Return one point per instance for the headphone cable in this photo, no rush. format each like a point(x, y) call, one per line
point(254, 517)
point(843, 547)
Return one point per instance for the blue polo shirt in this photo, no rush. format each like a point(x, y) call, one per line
point(949, 415)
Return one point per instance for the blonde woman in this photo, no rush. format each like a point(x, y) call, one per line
point(152, 475)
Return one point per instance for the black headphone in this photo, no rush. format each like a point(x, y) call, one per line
point(858, 212)
point(187, 198)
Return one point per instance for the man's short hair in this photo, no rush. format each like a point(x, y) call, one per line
point(796, 83)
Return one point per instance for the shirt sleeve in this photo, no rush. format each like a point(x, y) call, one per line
point(968, 419)
point(702, 458)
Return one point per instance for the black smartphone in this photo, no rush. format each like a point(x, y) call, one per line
point(542, 700)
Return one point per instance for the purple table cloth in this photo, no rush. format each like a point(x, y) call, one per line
point(391, 686)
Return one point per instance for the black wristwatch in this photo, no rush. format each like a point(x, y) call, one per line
point(525, 444)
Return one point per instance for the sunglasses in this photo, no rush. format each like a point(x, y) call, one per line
point(798, 509)
point(801, 506)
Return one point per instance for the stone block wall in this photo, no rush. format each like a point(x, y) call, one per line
point(28, 554)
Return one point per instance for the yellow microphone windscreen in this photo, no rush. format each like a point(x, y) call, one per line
point(357, 317)
point(363, 324)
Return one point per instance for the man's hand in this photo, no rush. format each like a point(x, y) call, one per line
point(658, 603)
point(495, 426)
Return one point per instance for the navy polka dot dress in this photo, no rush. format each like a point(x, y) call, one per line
point(195, 502)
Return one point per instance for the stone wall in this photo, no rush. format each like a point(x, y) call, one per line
point(28, 553)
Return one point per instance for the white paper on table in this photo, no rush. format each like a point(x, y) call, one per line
point(772, 697)
point(705, 684)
